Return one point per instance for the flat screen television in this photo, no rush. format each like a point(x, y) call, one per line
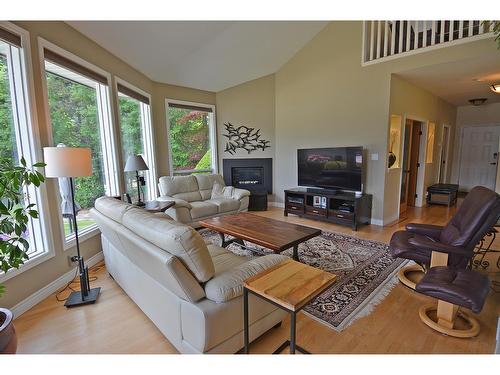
point(339, 168)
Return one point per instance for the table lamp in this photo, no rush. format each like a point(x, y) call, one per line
point(73, 162)
point(136, 163)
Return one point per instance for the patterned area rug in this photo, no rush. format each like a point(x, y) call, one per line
point(365, 274)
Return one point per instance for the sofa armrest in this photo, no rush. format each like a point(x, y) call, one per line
point(427, 244)
point(239, 194)
point(229, 284)
point(178, 202)
point(432, 231)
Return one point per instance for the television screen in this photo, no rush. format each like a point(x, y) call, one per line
point(334, 168)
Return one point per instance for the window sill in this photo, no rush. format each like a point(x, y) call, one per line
point(26, 266)
point(90, 232)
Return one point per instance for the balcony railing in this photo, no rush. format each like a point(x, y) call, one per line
point(385, 39)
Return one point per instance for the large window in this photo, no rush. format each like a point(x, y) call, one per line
point(191, 130)
point(78, 100)
point(136, 138)
point(17, 135)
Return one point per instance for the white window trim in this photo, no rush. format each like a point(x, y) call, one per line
point(213, 137)
point(109, 154)
point(148, 137)
point(35, 155)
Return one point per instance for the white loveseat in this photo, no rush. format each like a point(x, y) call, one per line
point(193, 197)
point(192, 292)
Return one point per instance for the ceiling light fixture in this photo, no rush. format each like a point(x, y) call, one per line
point(495, 88)
point(477, 101)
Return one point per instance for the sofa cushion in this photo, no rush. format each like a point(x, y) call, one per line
point(206, 181)
point(221, 191)
point(225, 204)
point(172, 185)
point(229, 284)
point(190, 196)
point(112, 207)
point(176, 238)
point(224, 259)
point(203, 209)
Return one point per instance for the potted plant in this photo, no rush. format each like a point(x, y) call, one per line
point(14, 218)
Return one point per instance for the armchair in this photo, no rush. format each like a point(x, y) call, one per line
point(451, 245)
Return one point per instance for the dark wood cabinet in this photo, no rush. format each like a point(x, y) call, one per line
point(339, 208)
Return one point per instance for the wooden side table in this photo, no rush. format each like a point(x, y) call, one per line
point(290, 286)
point(158, 206)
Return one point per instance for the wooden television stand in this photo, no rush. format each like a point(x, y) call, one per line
point(340, 208)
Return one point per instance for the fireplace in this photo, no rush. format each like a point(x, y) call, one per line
point(255, 175)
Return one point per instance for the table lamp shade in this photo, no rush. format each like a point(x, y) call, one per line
point(135, 163)
point(67, 161)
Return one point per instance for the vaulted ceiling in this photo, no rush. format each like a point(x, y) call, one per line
point(204, 55)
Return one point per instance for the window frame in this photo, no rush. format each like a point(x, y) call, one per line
point(30, 129)
point(212, 132)
point(107, 119)
point(148, 138)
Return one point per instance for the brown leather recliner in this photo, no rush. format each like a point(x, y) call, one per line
point(453, 244)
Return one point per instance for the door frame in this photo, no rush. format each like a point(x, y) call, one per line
point(460, 142)
point(421, 159)
point(447, 156)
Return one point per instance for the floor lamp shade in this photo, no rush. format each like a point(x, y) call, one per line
point(67, 161)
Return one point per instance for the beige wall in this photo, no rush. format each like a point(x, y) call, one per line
point(64, 36)
point(469, 115)
point(410, 101)
point(250, 104)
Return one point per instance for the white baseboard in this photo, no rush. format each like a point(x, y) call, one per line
point(276, 204)
point(51, 288)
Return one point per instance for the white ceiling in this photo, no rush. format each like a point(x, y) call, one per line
point(205, 55)
point(458, 81)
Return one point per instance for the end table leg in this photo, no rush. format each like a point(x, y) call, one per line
point(293, 316)
point(245, 319)
point(222, 239)
point(296, 253)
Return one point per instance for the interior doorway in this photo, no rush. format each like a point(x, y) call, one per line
point(479, 157)
point(410, 163)
point(445, 146)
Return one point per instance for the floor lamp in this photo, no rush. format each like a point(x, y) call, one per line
point(73, 162)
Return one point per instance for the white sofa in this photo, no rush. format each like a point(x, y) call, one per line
point(193, 198)
point(192, 292)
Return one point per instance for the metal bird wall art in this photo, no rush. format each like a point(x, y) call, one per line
point(243, 137)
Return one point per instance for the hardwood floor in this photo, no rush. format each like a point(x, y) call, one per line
point(116, 325)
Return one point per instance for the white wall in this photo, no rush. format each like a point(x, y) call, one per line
point(469, 115)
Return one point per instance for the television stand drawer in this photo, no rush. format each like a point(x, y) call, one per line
point(295, 208)
point(341, 215)
point(316, 211)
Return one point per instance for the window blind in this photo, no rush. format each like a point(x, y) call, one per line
point(73, 66)
point(192, 107)
point(10, 37)
point(133, 94)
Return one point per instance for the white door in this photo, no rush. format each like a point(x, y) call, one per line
point(479, 157)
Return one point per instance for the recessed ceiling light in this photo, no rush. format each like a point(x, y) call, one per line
point(495, 88)
point(477, 101)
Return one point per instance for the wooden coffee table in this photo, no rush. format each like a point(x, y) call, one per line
point(272, 234)
point(289, 285)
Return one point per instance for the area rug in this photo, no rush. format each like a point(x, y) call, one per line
point(365, 271)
